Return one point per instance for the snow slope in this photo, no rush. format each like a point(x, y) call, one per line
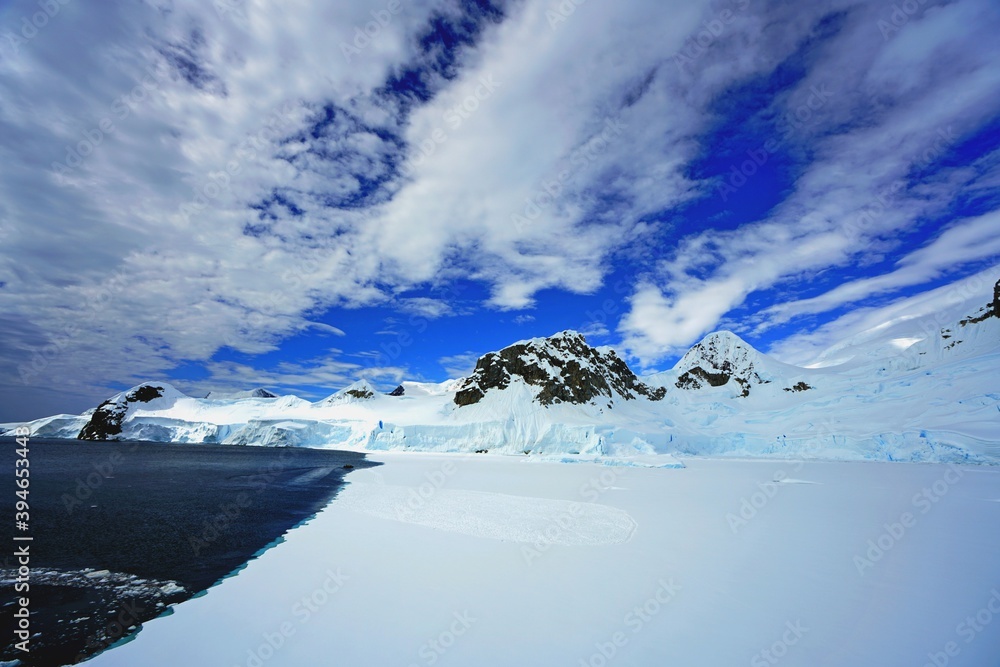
point(433, 560)
point(911, 390)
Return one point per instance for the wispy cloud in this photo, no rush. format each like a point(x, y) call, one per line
point(459, 365)
point(873, 172)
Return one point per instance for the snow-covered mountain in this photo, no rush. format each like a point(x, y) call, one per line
point(912, 389)
point(106, 422)
point(362, 390)
point(259, 392)
point(723, 359)
point(563, 367)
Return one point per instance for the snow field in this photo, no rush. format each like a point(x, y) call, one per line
point(686, 588)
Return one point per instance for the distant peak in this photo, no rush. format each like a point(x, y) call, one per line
point(361, 390)
point(724, 336)
point(719, 358)
point(259, 392)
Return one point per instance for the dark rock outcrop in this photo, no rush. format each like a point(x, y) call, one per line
point(398, 391)
point(564, 366)
point(263, 393)
point(106, 421)
point(359, 393)
point(990, 310)
point(801, 386)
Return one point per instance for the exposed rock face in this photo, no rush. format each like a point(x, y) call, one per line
point(801, 386)
point(398, 391)
point(718, 359)
point(564, 366)
point(359, 393)
point(106, 421)
point(991, 309)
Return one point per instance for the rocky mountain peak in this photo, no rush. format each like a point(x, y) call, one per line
point(564, 367)
point(362, 390)
point(106, 421)
point(720, 358)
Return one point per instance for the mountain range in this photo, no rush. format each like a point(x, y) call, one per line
point(909, 390)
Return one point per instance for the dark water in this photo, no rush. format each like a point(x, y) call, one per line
point(166, 521)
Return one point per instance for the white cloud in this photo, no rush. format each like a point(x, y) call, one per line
point(964, 242)
point(113, 273)
point(890, 104)
point(426, 307)
point(211, 103)
point(311, 378)
point(459, 365)
point(141, 140)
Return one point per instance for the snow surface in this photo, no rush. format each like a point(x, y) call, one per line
point(398, 571)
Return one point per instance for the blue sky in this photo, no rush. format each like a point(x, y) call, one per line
point(233, 194)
